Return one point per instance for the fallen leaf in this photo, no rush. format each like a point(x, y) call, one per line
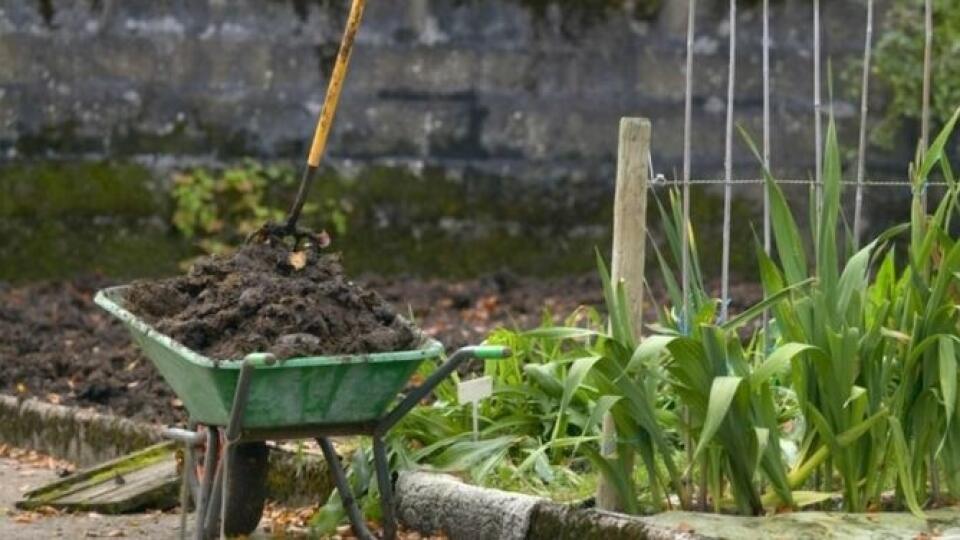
point(53, 398)
point(298, 259)
point(24, 517)
point(21, 388)
point(48, 511)
point(322, 239)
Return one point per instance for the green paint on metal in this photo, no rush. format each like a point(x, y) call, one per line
point(296, 392)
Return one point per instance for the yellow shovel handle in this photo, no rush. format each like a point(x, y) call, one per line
point(336, 84)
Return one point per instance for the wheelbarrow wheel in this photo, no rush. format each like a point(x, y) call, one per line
point(248, 485)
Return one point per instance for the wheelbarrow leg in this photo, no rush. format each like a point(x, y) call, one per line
point(225, 490)
point(189, 456)
point(232, 436)
point(211, 514)
point(343, 487)
point(211, 468)
point(386, 488)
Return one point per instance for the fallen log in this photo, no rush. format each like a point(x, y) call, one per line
point(432, 503)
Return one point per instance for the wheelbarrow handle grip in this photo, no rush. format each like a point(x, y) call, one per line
point(260, 359)
point(491, 352)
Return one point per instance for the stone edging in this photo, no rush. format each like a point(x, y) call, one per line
point(86, 437)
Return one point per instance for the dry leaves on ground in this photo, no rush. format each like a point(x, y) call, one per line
point(27, 517)
point(36, 459)
point(280, 520)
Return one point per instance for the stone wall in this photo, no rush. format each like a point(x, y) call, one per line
point(493, 85)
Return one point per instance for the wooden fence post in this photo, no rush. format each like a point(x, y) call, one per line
point(629, 242)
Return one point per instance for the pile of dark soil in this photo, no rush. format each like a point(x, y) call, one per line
point(265, 298)
point(58, 346)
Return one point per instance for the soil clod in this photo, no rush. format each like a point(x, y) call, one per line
point(264, 298)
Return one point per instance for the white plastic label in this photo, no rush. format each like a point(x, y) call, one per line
point(474, 390)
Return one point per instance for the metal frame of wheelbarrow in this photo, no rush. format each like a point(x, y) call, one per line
point(215, 486)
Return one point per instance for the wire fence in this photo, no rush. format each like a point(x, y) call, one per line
point(728, 181)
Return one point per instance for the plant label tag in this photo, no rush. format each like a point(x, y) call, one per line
point(474, 390)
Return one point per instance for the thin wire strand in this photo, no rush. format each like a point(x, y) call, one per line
point(864, 109)
point(927, 73)
point(728, 165)
point(766, 152)
point(817, 106)
point(766, 121)
point(687, 127)
point(684, 233)
point(798, 181)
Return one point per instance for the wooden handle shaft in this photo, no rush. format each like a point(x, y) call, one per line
point(336, 84)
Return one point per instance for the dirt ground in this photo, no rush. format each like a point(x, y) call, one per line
point(21, 476)
point(23, 470)
point(56, 344)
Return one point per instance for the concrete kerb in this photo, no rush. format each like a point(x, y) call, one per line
point(86, 437)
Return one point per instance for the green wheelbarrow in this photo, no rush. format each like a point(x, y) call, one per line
point(236, 405)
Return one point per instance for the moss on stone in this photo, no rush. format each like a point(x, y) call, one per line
point(64, 219)
point(53, 189)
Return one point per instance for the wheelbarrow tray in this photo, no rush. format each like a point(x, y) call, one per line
point(313, 391)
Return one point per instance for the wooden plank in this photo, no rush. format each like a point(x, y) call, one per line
point(143, 479)
point(116, 488)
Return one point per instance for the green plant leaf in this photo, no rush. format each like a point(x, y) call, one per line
point(809, 498)
point(777, 362)
point(560, 332)
point(649, 350)
point(790, 247)
point(578, 371)
point(935, 153)
point(757, 309)
point(948, 376)
point(901, 455)
point(722, 393)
